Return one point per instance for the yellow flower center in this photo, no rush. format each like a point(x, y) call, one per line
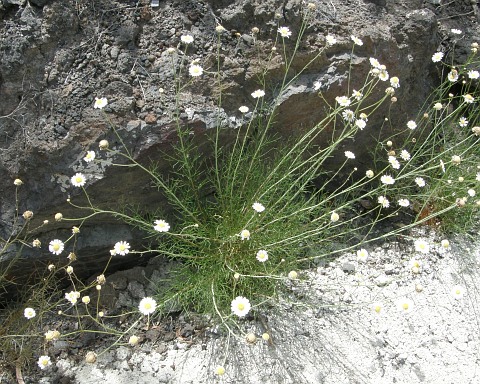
point(241, 306)
point(148, 306)
point(377, 308)
point(458, 292)
point(78, 179)
point(405, 306)
point(56, 247)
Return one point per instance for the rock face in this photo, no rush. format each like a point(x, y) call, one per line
point(57, 56)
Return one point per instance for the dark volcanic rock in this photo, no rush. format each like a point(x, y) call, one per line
point(57, 56)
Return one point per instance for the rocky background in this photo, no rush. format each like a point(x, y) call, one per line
point(57, 56)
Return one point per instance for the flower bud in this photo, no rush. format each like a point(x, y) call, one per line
point(27, 215)
point(101, 279)
point(133, 340)
point(251, 338)
point(103, 145)
point(91, 357)
point(456, 159)
point(18, 182)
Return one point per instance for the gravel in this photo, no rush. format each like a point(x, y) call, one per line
point(324, 329)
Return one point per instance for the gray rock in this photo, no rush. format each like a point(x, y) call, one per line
point(92, 55)
point(14, 2)
point(348, 267)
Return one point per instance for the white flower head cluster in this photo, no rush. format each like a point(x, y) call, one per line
point(195, 70)
point(147, 306)
point(72, 297)
point(383, 201)
point(44, 362)
point(474, 75)
point(78, 180)
point(422, 246)
point(331, 40)
point(452, 75)
point(262, 256)
point(343, 101)
point(56, 246)
point(245, 234)
point(356, 40)
point(463, 122)
point(395, 164)
point(387, 180)
point(405, 305)
point(257, 207)
point(405, 155)
point(161, 226)
point(411, 125)
point(240, 306)
point(437, 56)
point(121, 248)
point(90, 156)
point(100, 103)
point(349, 155)
point(362, 255)
point(334, 217)
point(258, 93)
point(420, 182)
point(348, 115)
point(457, 292)
point(361, 123)
point(186, 39)
point(29, 313)
point(284, 32)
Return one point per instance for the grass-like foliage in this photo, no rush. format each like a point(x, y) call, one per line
point(244, 213)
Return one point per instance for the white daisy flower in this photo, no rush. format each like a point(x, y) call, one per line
point(240, 306)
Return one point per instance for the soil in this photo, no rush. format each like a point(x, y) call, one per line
point(322, 328)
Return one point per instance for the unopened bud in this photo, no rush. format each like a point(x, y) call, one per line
point(91, 357)
point(103, 144)
point(251, 338)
